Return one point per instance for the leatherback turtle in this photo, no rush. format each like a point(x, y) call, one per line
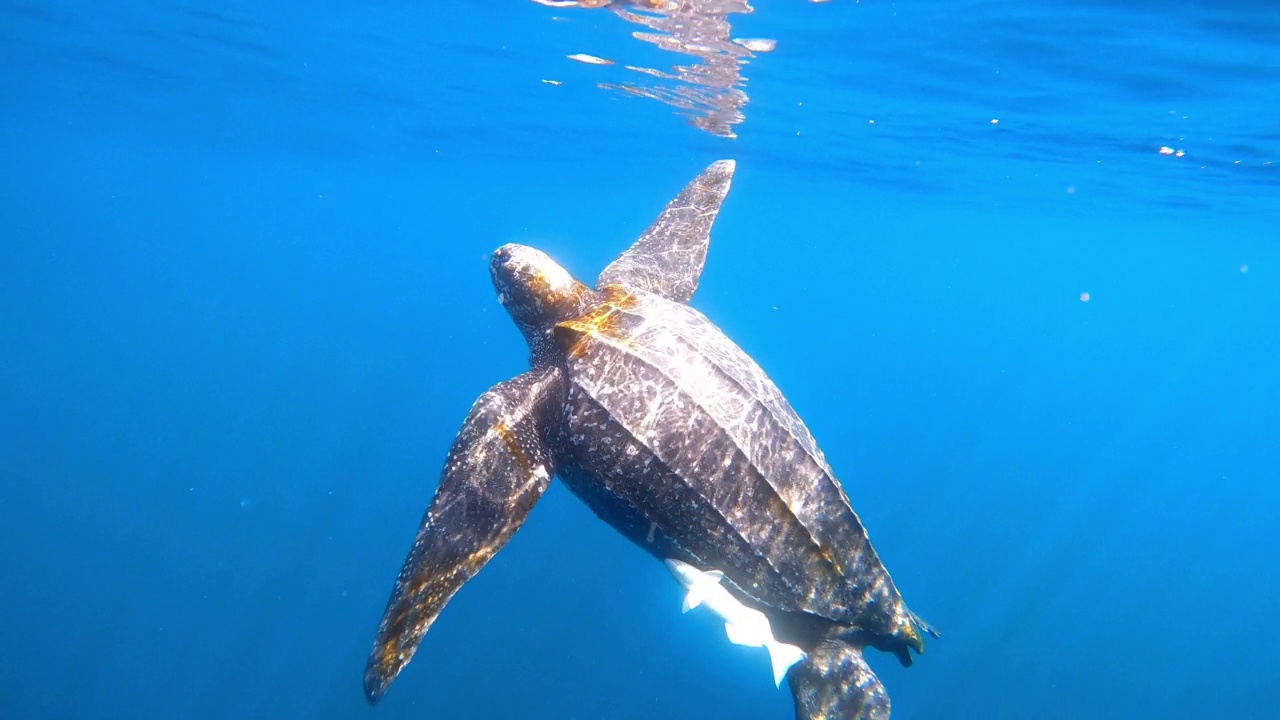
point(676, 438)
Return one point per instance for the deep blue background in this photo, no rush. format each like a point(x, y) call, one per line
point(244, 305)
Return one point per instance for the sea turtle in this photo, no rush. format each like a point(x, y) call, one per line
point(676, 438)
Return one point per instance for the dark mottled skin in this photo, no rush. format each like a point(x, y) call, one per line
point(837, 665)
point(676, 438)
point(497, 469)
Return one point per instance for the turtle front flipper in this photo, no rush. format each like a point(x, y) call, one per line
point(497, 469)
point(834, 683)
point(668, 257)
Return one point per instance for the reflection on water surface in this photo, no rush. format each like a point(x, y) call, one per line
point(708, 86)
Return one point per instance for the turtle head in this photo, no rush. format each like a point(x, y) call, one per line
point(536, 291)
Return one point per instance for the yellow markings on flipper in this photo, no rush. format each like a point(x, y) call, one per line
point(508, 437)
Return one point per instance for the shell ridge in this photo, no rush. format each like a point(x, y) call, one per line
point(626, 348)
point(745, 541)
point(780, 413)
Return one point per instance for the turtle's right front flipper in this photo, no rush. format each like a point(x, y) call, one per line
point(834, 683)
point(668, 257)
point(497, 469)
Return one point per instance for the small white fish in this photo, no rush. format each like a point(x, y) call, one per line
point(760, 45)
point(589, 59)
point(744, 625)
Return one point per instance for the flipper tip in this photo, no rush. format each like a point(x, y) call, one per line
point(375, 683)
point(724, 166)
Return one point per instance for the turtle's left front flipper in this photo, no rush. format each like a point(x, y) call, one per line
point(497, 469)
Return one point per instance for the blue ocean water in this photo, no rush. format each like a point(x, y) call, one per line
point(244, 306)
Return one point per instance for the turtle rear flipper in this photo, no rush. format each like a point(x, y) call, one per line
point(497, 469)
point(834, 683)
point(668, 257)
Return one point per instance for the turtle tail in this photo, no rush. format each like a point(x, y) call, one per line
point(834, 682)
point(923, 627)
point(908, 636)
